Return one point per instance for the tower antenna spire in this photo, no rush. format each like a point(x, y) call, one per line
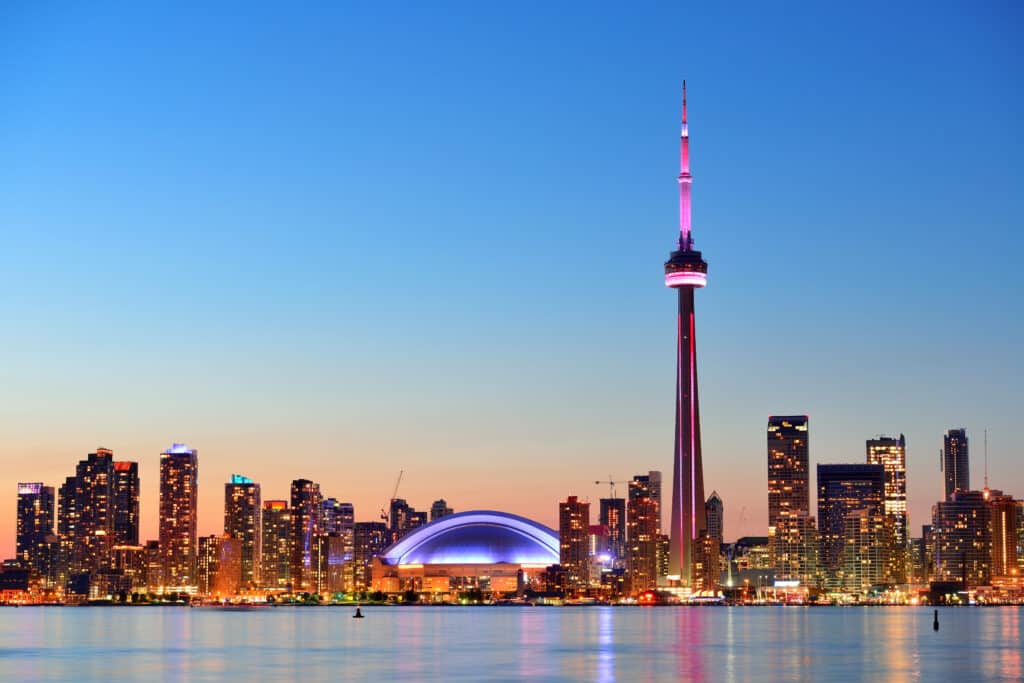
point(684, 100)
point(986, 459)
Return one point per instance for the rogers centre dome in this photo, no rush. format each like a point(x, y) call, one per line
point(477, 549)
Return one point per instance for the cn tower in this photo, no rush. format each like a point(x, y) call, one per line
point(685, 271)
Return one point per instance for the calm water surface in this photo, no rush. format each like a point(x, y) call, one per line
point(504, 643)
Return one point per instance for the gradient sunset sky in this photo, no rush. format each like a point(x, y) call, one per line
point(336, 242)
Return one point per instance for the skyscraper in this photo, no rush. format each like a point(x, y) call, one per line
point(715, 511)
point(371, 538)
point(307, 526)
point(219, 566)
point(685, 271)
point(613, 517)
point(440, 509)
point(276, 561)
point(126, 503)
point(94, 481)
point(67, 528)
point(955, 461)
point(1003, 511)
point(892, 454)
point(642, 535)
point(339, 525)
point(404, 518)
point(791, 532)
point(574, 542)
point(843, 490)
point(242, 517)
point(962, 539)
point(179, 496)
point(34, 526)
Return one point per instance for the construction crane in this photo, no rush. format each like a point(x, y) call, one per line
point(385, 513)
point(611, 485)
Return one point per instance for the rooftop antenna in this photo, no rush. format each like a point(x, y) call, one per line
point(986, 460)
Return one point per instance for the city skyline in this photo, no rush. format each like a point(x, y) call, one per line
point(214, 286)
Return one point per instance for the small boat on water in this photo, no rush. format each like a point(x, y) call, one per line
point(358, 614)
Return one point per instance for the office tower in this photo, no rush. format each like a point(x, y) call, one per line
point(94, 527)
point(440, 509)
point(714, 509)
point(242, 521)
point(574, 542)
point(179, 496)
point(962, 539)
point(34, 527)
point(276, 561)
point(955, 462)
point(686, 271)
point(67, 525)
point(642, 536)
point(371, 538)
point(126, 503)
point(339, 521)
point(613, 518)
point(307, 526)
point(843, 490)
point(892, 454)
point(219, 566)
point(791, 529)
point(1003, 512)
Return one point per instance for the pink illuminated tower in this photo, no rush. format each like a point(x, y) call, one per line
point(685, 271)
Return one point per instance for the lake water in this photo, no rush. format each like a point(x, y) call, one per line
point(503, 643)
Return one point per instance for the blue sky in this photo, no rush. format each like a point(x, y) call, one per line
point(337, 241)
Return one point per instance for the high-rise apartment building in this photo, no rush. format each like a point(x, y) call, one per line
point(440, 509)
point(35, 527)
point(94, 505)
point(955, 462)
point(371, 538)
point(715, 511)
point(843, 490)
point(891, 453)
point(179, 497)
point(1003, 512)
point(126, 503)
point(791, 528)
point(962, 539)
point(276, 547)
point(67, 527)
point(642, 536)
point(307, 527)
point(219, 566)
point(339, 526)
point(243, 521)
point(574, 542)
point(404, 518)
point(613, 517)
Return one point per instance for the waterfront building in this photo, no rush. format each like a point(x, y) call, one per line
point(891, 453)
point(179, 498)
point(67, 525)
point(130, 561)
point(339, 521)
point(35, 528)
point(962, 539)
point(219, 566)
point(492, 552)
point(686, 271)
point(307, 526)
point(612, 516)
point(94, 526)
point(440, 509)
point(642, 536)
point(956, 466)
point(276, 545)
point(791, 528)
point(714, 509)
point(842, 490)
point(126, 503)
point(863, 561)
point(154, 566)
point(573, 533)
point(243, 521)
point(927, 541)
point(370, 540)
point(1003, 512)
